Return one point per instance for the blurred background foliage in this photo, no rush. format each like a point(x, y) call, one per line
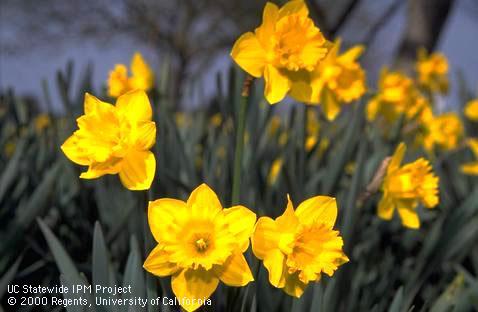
point(58, 228)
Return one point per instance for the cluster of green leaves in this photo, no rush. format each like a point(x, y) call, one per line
point(57, 228)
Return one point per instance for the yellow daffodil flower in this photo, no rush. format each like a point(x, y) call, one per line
point(404, 187)
point(142, 77)
point(285, 50)
point(337, 79)
point(297, 247)
point(432, 71)
point(444, 131)
point(471, 168)
point(396, 95)
point(199, 244)
point(471, 110)
point(115, 139)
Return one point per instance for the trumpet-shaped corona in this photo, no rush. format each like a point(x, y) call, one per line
point(297, 247)
point(444, 131)
point(116, 139)
point(404, 187)
point(199, 244)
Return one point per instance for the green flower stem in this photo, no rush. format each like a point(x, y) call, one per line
point(239, 148)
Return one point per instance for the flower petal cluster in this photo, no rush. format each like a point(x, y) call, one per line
point(471, 110)
point(404, 187)
point(338, 79)
point(432, 71)
point(396, 95)
point(285, 50)
point(444, 131)
point(297, 247)
point(142, 77)
point(199, 244)
point(471, 168)
point(115, 139)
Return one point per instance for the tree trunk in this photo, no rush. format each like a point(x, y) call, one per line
point(425, 22)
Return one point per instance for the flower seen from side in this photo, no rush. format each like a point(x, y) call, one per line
point(471, 168)
point(405, 187)
point(141, 78)
point(432, 70)
point(297, 247)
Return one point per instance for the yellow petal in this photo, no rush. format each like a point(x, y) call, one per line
point(409, 217)
point(372, 109)
point(265, 237)
point(118, 81)
point(137, 170)
point(330, 104)
point(471, 110)
point(146, 135)
point(294, 286)
point(163, 216)
point(135, 106)
point(158, 263)
point(318, 209)
point(241, 222)
point(204, 202)
point(288, 221)
point(142, 75)
point(277, 84)
point(235, 271)
point(275, 265)
point(397, 157)
point(74, 152)
point(266, 30)
point(294, 7)
point(98, 169)
point(93, 105)
point(352, 54)
point(473, 144)
point(248, 53)
point(385, 208)
point(302, 90)
point(193, 284)
point(470, 168)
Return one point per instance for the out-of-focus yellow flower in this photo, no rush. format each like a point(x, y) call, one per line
point(313, 130)
point(404, 187)
point(396, 95)
point(274, 125)
point(338, 79)
point(216, 120)
point(297, 247)
point(274, 171)
point(471, 168)
point(471, 110)
point(285, 49)
point(115, 139)
point(444, 131)
point(9, 148)
point(142, 77)
point(432, 71)
point(283, 138)
point(199, 243)
point(41, 122)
